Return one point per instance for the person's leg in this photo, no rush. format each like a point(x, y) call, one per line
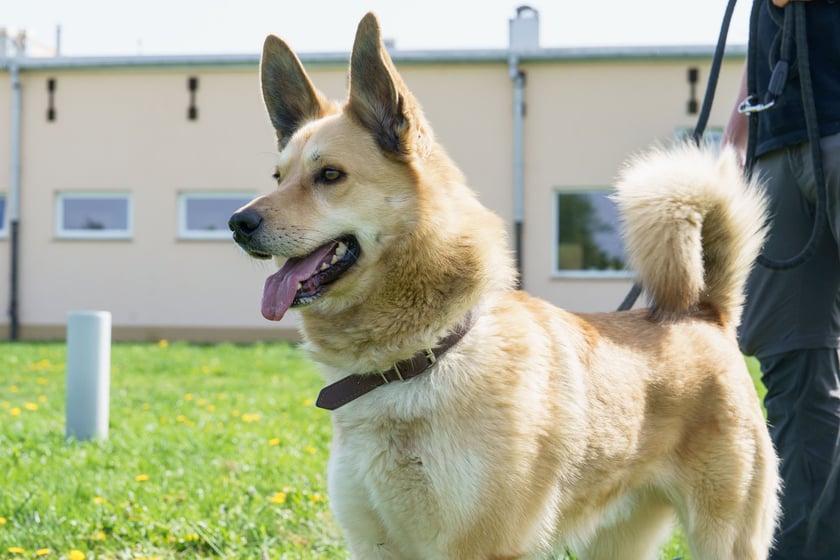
point(803, 411)
point(791, 321)
point(799, 307)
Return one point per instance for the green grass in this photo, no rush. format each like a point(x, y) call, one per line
point(213, 451)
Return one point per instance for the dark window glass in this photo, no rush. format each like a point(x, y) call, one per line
point(588, 232)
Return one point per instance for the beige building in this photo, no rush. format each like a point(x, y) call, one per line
point(122, 172)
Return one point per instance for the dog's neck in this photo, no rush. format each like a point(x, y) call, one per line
point(351, 387)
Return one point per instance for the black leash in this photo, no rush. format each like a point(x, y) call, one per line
point(794, 30)
point(714, 73)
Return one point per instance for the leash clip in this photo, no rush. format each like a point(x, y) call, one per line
point(748, 107)
point(778, 79)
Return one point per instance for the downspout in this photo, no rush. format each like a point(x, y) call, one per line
point(523, 38)
point(14, 197)
point(518, 77)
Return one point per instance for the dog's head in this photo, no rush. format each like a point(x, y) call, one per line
point(368, 208)
point(346, 185)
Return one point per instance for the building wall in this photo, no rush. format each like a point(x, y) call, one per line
point(585, 119)
point(125, 129)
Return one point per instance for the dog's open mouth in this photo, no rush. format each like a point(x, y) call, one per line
point(303, 280)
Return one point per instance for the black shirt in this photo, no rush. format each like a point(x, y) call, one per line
point(784, 124)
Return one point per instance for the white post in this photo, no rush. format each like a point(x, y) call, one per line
point(88, 374)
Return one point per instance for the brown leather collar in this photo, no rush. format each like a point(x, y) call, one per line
point(354, 386)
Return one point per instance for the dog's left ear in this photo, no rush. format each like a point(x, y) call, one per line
point(380, 101)
point(289, 95)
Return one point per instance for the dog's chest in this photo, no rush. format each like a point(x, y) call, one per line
point(406, 473)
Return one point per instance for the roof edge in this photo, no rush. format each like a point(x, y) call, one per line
point(414, 56)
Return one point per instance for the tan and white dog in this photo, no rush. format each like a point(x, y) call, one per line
point(471, 420)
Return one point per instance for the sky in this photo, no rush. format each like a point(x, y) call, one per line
point(155, 27)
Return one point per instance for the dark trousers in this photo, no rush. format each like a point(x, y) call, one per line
point(791, 323)
point(803, 411)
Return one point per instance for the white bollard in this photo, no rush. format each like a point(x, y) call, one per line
point(88, 374)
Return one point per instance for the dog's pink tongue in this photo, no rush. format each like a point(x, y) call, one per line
point(280, 287)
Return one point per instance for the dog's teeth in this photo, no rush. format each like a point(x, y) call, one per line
point(299, 286)
point(334, 259)
point(324, 266)
point(340, 250)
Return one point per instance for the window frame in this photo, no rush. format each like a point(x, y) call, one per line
point(184, 233)
point(557, 272)
point(61, 232)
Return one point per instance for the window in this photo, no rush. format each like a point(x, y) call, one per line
point(712, 136)
point(4, 226)
point(93, 216)
point(588, 235)
point(204, 215)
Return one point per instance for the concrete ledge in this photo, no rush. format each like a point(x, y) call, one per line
point(41, 333)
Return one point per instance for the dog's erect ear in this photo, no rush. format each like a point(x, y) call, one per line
point(289, 95)
point(379, 99)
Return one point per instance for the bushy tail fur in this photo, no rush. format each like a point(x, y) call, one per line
point(693, 226)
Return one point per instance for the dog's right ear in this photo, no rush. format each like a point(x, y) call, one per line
point(289, 95)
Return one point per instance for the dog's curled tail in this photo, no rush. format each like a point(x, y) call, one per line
point(693, 226)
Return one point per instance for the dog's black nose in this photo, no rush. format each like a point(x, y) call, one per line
point(244, 223)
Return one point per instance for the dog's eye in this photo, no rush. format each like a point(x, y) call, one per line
point(276, 176)
point(329, 175)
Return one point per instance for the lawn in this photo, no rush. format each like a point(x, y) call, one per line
point(213, 451)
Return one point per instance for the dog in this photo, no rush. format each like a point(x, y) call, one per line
point(471, 420)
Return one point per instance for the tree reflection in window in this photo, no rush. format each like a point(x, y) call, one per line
point(588, 232)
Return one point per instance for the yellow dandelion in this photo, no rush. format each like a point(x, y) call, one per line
point(236, 413)
point(42, 381)
point(146, 406)
point(201, 402)
point(3, 520)
point(192, 537)
point(39, 365)
point(163, 343)
point(76, 555)
point(278, 498)
point(42, 399)
point(98, 536)
point(13, 389)
point(99, 500)
point(5, 404)
point(42, 552)
point(189, 397)
point(274, 441)
point(15, 411)
point(316, 498)
point(308, 402)
point(16, 550)
point(31, 406)
point(181, 418)
point(250, 417)
point(141, 477)
point(310, 449)
point(205, 369)
point(211, 408)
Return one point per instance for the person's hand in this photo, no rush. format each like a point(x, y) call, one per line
point(783, 3)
